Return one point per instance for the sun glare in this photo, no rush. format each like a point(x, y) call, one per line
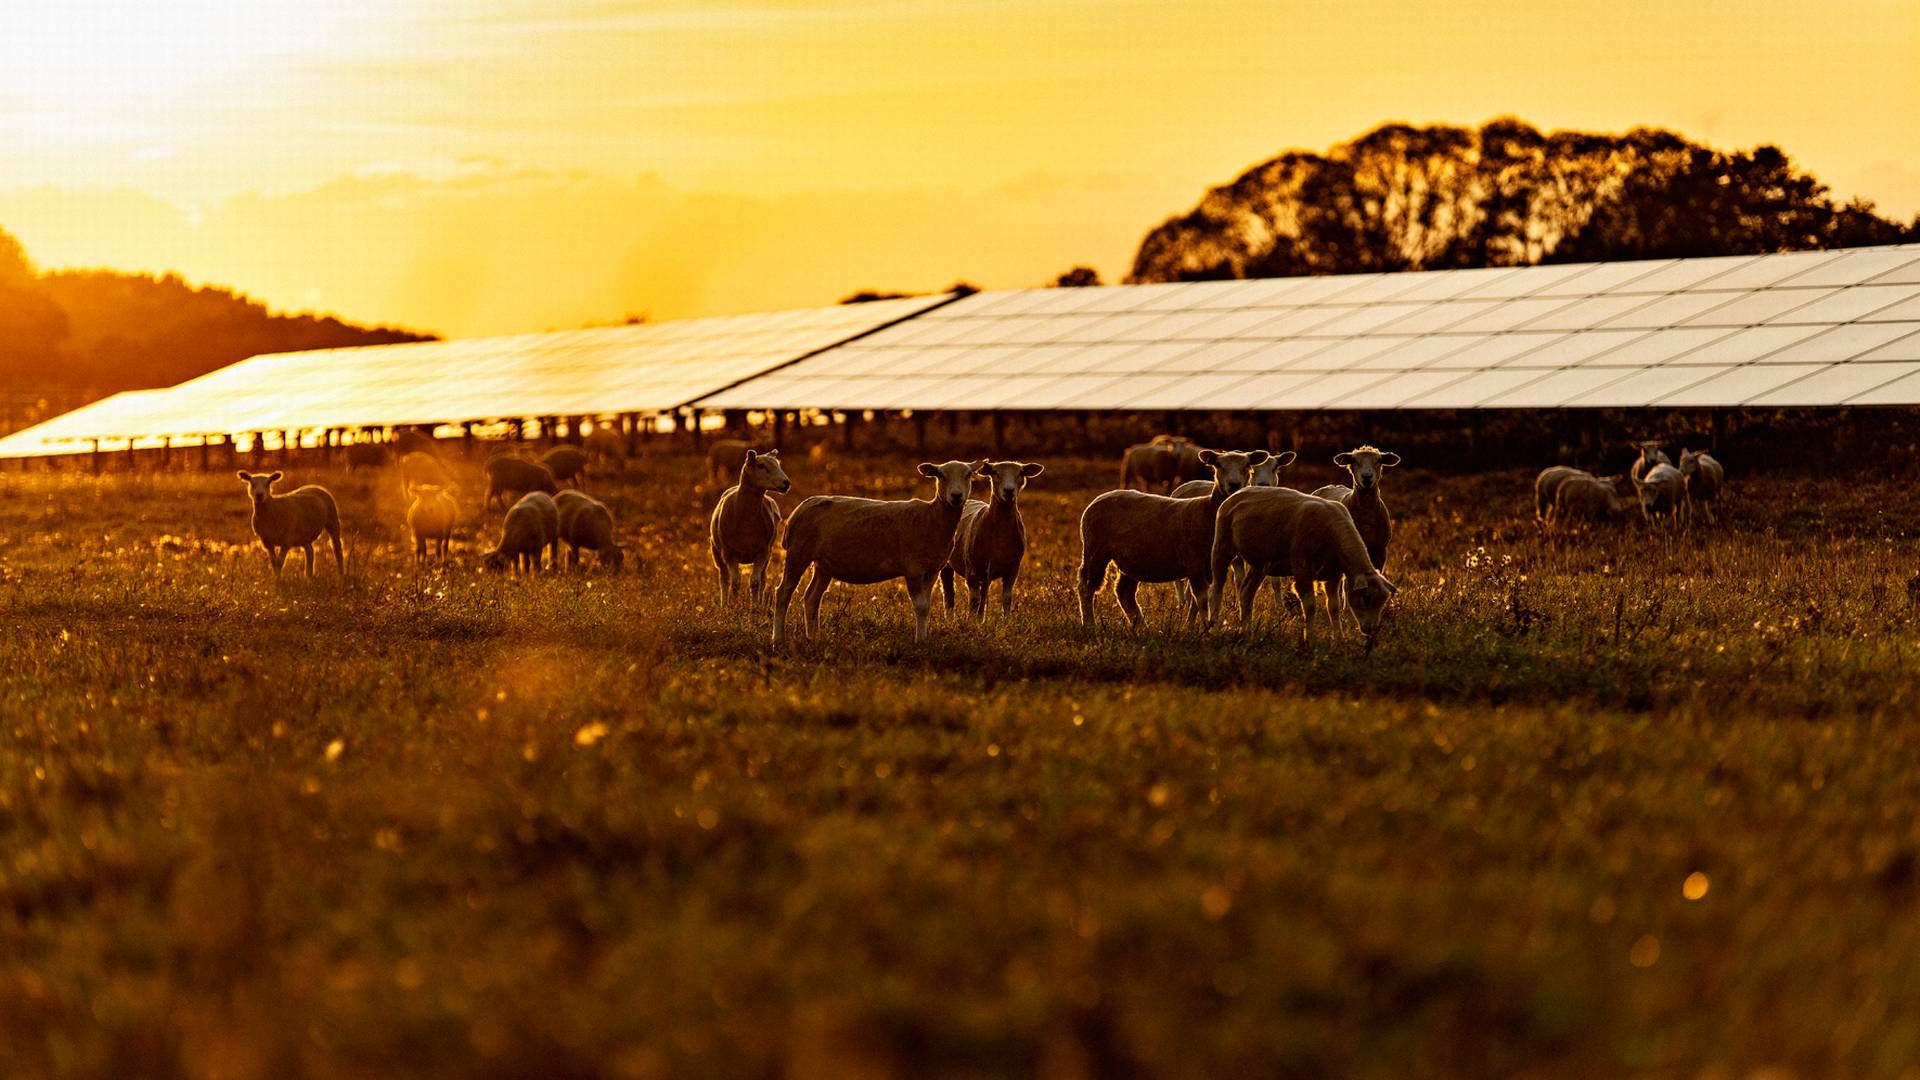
point(95, 54)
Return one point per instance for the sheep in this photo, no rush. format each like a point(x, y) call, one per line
point(566, 463)
point(366, 455)
point(531, 525)
point(991, 540)
point(1363, 502)
point(419, 468)
point(510, 475)
point(1265, 474)
point(1546, 487)
point(1163, 461)
point(725, 457)
point(1591, 498)
point(745, 525)
point(1663, 492)
point(867, 541)
point(293, 520)
point(1283, 532)
point(416, 440)
point(431, 516)
point(1650, 455)
point(585, 522)
point(1156, 537)
point(1704, 476)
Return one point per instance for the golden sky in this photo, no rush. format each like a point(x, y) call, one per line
point(479, 166)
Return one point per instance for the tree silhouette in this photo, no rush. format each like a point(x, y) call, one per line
point(1079, 277)
point(1403, 197)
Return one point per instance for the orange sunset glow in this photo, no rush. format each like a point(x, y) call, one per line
point(479, 167)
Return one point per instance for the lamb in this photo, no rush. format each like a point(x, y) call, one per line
point(585, 522)
point(1283, 532)
point(867, 541)
point(419, 468)
point(746, 524)
point(1663, 493)
point(1591, 498)
point(991, 540)
point(531, 525)
point(293, 520)
point(566, 463)
point(1156, 537)
point(1265, 474)
point(431, 516)
point(509, 475)
point(1546, 488)
point(1704, 477)
point(1650, 455)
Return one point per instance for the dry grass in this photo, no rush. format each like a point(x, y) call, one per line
point(450, 824)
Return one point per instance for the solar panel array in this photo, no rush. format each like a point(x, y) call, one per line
point(645, 368)
point(1811, 328)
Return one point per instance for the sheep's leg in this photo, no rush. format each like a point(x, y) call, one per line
point(789, 578)
point(920, 591)
point(757, 584)
point(946, 588)
point(1006, 596)
point(1125, 591)
point(419, 548)
point(1091, 577)
point(1303, 588)
point(1198, 592)
point(308, 550)
point(1249, 589)
point(1337, 605)
point(816, 590)
point(279, 557)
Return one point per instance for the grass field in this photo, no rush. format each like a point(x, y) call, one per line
point(1604, 806)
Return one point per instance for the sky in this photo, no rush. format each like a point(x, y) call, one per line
point(488, 166)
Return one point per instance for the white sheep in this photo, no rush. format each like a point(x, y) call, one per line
point(1156, 538)
point(1546, 488)
point(1591, 498)
point(745, 525)
point(1650, 455)
point(991, 541)
point(431, 517)
point(293, 520)
point(868, 541)
point(1705, 477)
point(585, 522)
point(1663, 493)
point(1281, 532)
point(532, 524)
point(1363, 502)
point(1265, 474)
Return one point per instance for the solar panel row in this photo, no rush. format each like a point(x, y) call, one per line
point(1795, 329)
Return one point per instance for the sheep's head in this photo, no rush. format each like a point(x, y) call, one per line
point(952, 481)
point(1232, 468)
point(494, 559)
point(1008, 477)
point(1364, 465)
point(1367, 597)
point(1690, 462)
point(1650, 454)
point(259, 485)
point(614, 557)
point(1267, 473)
point(765, 470)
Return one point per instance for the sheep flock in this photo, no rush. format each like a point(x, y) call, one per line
point(1210, 522)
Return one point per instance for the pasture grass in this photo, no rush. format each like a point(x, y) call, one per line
point(439, 823)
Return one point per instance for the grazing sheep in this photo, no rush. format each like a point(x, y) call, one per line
point(1285, 533)
point(509, 475)
point(1591, 498)
point(431, 516)
point(1265, 474)
point(366, 455)
point(419, 468)
point(746, 524)
point(1663, 493)
point(531, 525)
point(1156, 537)
point(725, 456)
point(1650, 455)
point(1704, 477)
point(1546, 487)
point(293, 520)
point(867, 541)
point(565, 463)
point(585, 522)
point(991, 540)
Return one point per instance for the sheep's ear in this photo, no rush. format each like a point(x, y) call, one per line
point(979, 465)
point(1285, 458)
point(1389, 460)
point(1208, 457)
point(277, 474)
point(1343, 459)
point(1032, 470)
point(1258, 457)
point(771, 454)
point(929, 470)
point(1392, 589)
point(244, 475)
point(984, 472)
point(752, 457)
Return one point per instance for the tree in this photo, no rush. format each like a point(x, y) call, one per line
point(868, 296)
point(1403, 197)
point(1079, 277)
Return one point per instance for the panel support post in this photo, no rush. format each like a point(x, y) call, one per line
point(920, 432)
point(999, 432)
point(779, 428)
point(693, 427)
